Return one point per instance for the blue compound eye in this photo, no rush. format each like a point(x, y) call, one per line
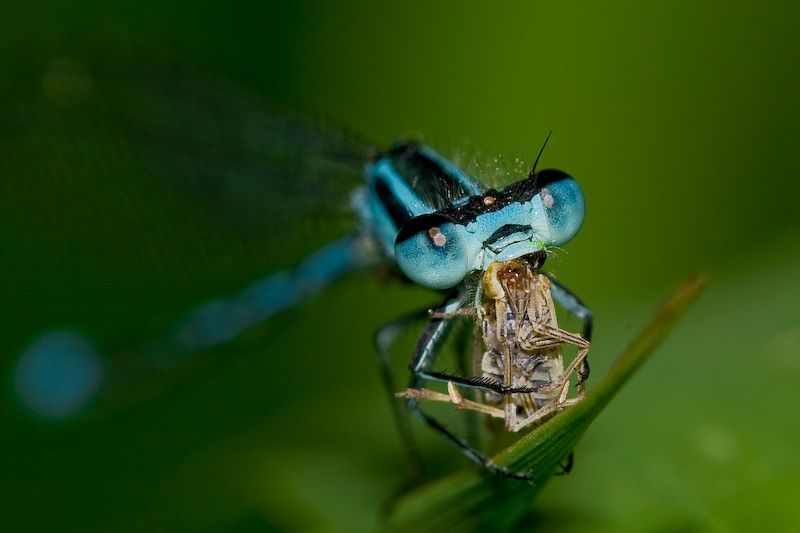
point(563, 203)
point(431, 251)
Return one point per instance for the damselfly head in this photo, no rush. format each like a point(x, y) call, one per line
point(439, 249)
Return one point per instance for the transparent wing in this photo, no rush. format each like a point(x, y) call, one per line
point(135, 188)
point(257, 168)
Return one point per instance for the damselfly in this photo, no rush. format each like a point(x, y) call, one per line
point(415, 210)
point(494, 242)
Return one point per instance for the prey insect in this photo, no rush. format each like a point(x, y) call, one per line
point(523, 379)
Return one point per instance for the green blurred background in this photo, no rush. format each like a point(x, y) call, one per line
point(680, 121)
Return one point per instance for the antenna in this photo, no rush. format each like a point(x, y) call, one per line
point(532, 175)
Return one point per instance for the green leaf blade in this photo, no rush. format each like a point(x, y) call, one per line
point(476, 500)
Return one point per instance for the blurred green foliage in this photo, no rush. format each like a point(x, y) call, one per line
point(680, 121)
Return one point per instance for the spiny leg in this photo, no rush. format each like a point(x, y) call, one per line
point(554, 336)
point(430, 343)
point(465, 448)
point(453, 396)
point(428, 347)
point(385, 338)
point(462, 403)
point(573, 304)
point(550, 407)
point(548, 335)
